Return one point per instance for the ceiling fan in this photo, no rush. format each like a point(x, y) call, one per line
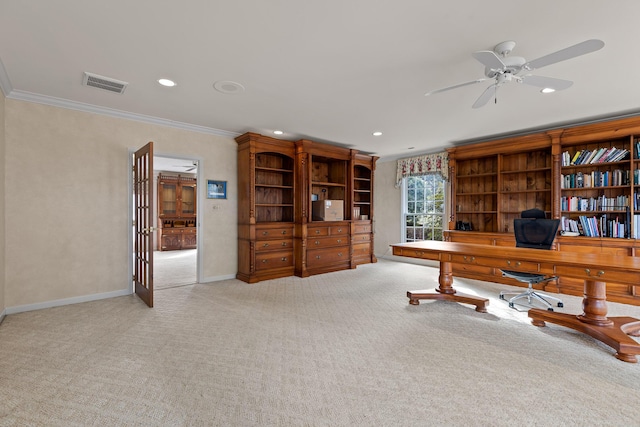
point(187, 167)
point(502, 68)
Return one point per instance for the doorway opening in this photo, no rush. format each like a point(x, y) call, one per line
point(175, 257)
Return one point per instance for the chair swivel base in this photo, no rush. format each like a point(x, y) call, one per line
point(530, 295)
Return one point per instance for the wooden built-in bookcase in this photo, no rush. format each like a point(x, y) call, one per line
point(598, 195)
point(278, 181)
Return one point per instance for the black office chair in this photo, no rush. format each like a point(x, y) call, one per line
point(534, 232)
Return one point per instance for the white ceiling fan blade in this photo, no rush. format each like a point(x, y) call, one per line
point(489, 59)
point(547, 82)
point(486, 96)
point(579, 49)
point(454, 87)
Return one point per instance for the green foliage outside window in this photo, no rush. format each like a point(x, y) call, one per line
point(424, 210)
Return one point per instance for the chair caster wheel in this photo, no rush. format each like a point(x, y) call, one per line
point(549, 309)
point(560, 304)
point(501, 297)
point(511, 304)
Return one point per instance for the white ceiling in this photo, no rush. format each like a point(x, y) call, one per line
point(331, 70)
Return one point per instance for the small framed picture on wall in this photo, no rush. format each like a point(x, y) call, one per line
point(216, 189)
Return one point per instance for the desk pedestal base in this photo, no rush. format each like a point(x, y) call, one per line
point(480, 303)
point(446, 292)
point(614, 334)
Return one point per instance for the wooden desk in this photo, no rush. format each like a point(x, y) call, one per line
point(594, 269)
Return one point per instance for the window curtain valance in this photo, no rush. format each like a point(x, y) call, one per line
point(423, 165)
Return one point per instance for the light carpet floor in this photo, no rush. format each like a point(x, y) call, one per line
point(339, 349)
point(174, 268)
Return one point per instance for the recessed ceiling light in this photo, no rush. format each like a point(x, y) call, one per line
point(167, 82)
point(227, 86)
point(378, 133)
point(547, 90)
point(278, 132)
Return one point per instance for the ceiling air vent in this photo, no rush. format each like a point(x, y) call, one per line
point(106, 83)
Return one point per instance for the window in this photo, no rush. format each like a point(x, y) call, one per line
point(424, 202)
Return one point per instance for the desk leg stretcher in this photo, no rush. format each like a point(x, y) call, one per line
point(613, 331)
point(446, 291)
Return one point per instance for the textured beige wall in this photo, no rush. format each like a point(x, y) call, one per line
point(2, 203)
point(388, 210)
point(66, 200)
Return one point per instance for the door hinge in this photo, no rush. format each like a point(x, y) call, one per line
point(133, 223)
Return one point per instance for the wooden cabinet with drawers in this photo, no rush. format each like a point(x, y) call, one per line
point(328, 247)
point(278, 181)
point(177, 222)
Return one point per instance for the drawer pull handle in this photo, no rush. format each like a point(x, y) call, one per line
point(599, 273)
point(339, 230)
point(469, 259)
point(339, 253)
point(317, 242)
point(266, 245)
point(317, 231)
point(284, 258)
point(317, 256)
point(518, 263)
point(339, 241)
point(284, 231)
point(284, 243)
point(264, 233)
point(264, 261)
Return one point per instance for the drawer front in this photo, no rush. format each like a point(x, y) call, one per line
point(172, 231)
point(267, 260)
point(274, 233)
point(361, 250)
point(339, 230)
point(416, 253)
point(321, 257)
point(598, 274)
point(506, 264)
point(273, 245)
point(317, 231)
point(362, 228)
point(325, 242)
point(361, 238)
point(190, 230)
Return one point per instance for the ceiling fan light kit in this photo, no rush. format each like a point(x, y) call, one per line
point(502, 68)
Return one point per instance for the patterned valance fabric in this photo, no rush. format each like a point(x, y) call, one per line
point(423, 165)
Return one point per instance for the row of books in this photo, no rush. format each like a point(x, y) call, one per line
point(604, 226)
point(596, 179)
point(590, 204)
point(598, 155)
point(636, 201)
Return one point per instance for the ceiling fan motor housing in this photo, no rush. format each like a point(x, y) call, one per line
point(512, 65)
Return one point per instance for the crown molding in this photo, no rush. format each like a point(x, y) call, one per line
point(10, 93)
point(88, 108)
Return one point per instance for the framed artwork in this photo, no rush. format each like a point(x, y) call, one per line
point(216, 189)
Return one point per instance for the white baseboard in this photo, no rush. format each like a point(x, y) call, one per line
point(66, 301)
point(218, 278)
